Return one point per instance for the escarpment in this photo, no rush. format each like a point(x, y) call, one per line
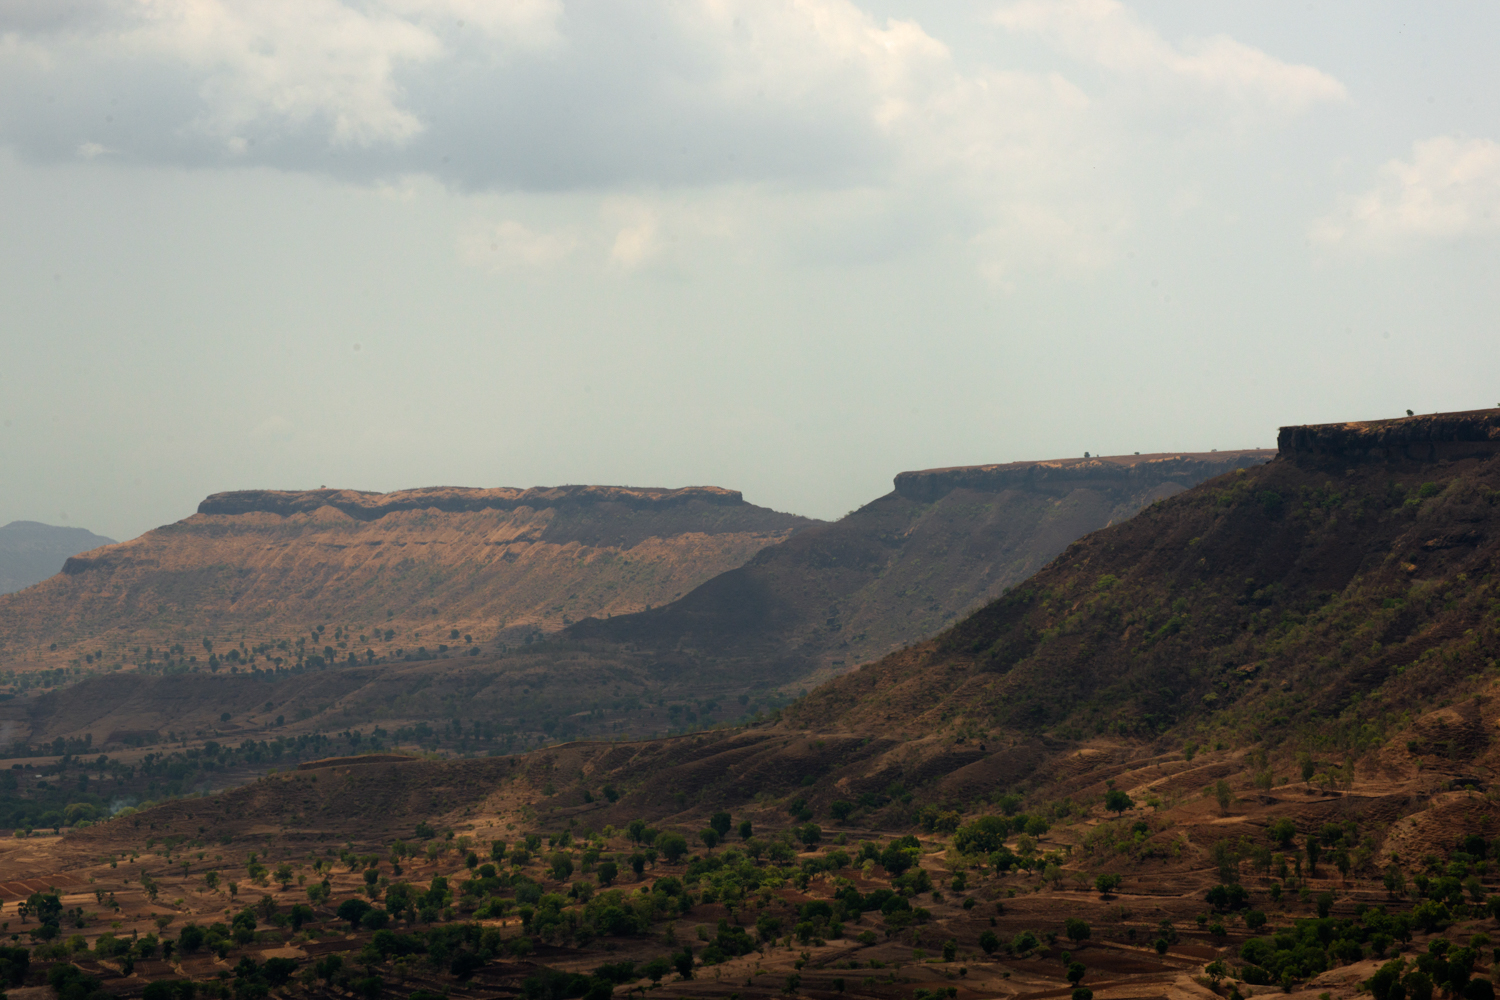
point(1424, 438)
point(902, 567)
point(465, 568)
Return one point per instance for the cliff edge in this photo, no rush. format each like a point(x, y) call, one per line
point(363, 505)
point(1132, 473)
point(1428, 437)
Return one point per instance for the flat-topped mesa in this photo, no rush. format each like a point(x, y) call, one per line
point(368, 506)
point(1133, 473)
point(1428, 437)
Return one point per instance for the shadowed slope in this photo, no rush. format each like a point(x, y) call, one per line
point(899, 568)
point(1338, 586)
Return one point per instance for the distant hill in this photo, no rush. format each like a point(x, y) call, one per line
point(941, 544)
point(822, 599)
point(460, 568)
point(1325, 596)
point(31, 551)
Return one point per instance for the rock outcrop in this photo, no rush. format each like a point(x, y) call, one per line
point(1427, 437)
point(366, 506)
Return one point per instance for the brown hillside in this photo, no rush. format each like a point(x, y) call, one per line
point(1241, 744)
point(897, 570)
point(1337, 588)
point(499, 565)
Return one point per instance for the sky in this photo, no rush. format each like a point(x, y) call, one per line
point(790, 247)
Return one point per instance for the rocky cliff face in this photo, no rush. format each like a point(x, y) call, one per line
point(496, 565)
point(366, 506)
point(1425, 438)
point(899, 569)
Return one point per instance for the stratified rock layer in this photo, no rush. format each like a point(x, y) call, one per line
point(1426, 438)
point(498, 565)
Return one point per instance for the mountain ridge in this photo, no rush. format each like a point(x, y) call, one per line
point(942, 542)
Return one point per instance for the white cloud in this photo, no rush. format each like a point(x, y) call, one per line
point(529, 23)
point(1109, 35)
point(1449, 188)
point(289, 61)
point(637, 236)
point(512, 244)
point(750, 103)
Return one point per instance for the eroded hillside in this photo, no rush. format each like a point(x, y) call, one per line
point(407, 570)
point(1341, 586)
point(1239, 744)
point(899, 569)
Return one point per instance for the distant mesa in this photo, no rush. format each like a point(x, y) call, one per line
point(392, 576)
point(904, 566)
point(30, 551)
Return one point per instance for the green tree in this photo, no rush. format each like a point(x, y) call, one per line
point(1418, 986)
point(1106, 884)
point(989, 942)
point(1283, 831)
point(1395, 880)
point(1076, 929)
point(656, 968)
point(1076, 972)
point(1226, 857)
point(672, 846)
point(1117, 801)
point(353, 910)
point(710, 838)
point(1223, 796)
point(746, 829)
point(608, 872)
point(562, 865)
point(721, 823)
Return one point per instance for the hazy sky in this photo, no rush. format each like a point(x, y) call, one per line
point(791, 247)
